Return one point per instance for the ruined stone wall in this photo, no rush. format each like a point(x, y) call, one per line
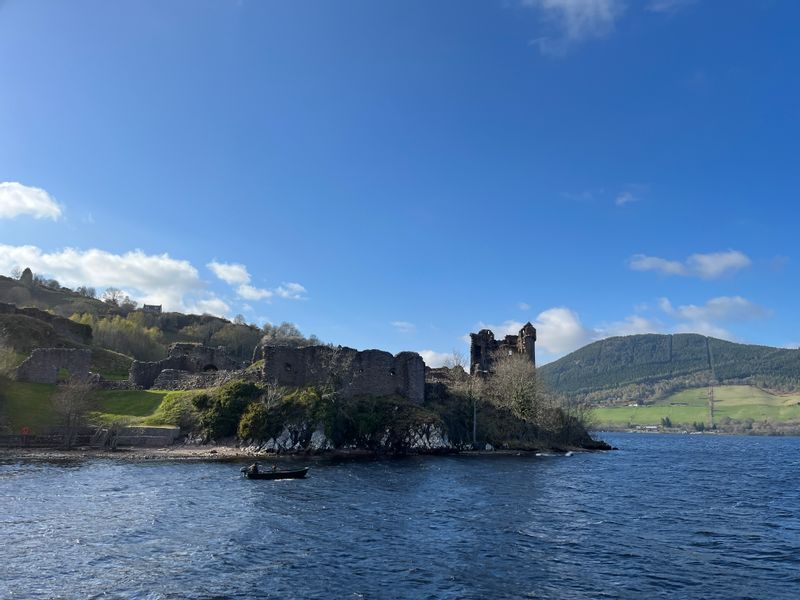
point(353, 373)
point(44, 364)
point(171, 379)
point(192, 358)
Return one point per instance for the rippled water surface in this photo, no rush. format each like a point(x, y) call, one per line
point(665, 516)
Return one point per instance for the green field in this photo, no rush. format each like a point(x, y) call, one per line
point(28, 405)
point(738, 402)
point(126, 406)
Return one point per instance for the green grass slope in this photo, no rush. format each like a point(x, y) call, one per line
point(30, 405)
point(736, 402)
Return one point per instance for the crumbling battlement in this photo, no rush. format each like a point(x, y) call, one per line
point(44, 365)
point(193, 358)
point(367, 373)
point(484, 348)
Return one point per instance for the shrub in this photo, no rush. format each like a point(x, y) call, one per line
point(221, 411)
point(177, 408)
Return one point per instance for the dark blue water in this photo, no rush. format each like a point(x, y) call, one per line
point(666, 516)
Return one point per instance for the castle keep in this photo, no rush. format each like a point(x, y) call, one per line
point(484, 349)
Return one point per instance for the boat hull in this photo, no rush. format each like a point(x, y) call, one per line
point(290, 474)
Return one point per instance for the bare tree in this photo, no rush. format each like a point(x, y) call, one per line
point(71, 404)
point(513, 385)
point(113, 296)
point(273, 393)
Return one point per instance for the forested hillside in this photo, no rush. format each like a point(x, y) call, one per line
point(643, 366)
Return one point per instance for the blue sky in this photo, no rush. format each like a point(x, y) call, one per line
point(396, 174)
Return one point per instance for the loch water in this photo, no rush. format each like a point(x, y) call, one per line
point(672, 516)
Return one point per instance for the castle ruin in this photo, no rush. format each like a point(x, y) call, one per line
point(182, 356)
point(352, 373)
point(484, 349)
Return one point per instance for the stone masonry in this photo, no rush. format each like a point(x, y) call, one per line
point(484, 348)
point(44, 365)
point(193, 358)
point(367, 373)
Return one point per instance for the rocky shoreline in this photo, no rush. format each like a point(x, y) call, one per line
point(234, 453)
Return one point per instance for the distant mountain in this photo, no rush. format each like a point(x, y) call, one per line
point(647, 365)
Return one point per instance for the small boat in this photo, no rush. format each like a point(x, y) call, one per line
point(284, 474)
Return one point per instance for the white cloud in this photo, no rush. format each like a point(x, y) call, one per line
point(630, 325)
point(723, 308)
point(435, 359)
point(707, 319)
point(559, 330)
point(291, 291)
point(704, 266)
point(248, 292)
point(210, 305)
point(625, 198)
point(404, 326)
point(154, 279)
point(524, 306)
point(17, 199)
point(236, 274)
point(575, 21)
point(230, 273)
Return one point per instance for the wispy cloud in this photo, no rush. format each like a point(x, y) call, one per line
point(574, 21)
point(249, 292)
point(704, 266)
point(17, 199)
point(720, 309)
point(524, 306)
point(404, 326)
point(291, 291)
point(230, 273)
point(236, 274)
point(625, 198)
point(668, 6)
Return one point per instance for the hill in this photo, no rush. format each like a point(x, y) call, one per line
point(642, 367)
point(36, 312)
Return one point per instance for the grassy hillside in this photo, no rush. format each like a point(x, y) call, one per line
point(29, 405)
point(741, 403)
point(637, 366)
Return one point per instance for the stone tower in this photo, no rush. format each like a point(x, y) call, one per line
point(484, 348)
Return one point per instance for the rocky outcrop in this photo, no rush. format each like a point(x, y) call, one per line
point(310, 438)
point(44, 365)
